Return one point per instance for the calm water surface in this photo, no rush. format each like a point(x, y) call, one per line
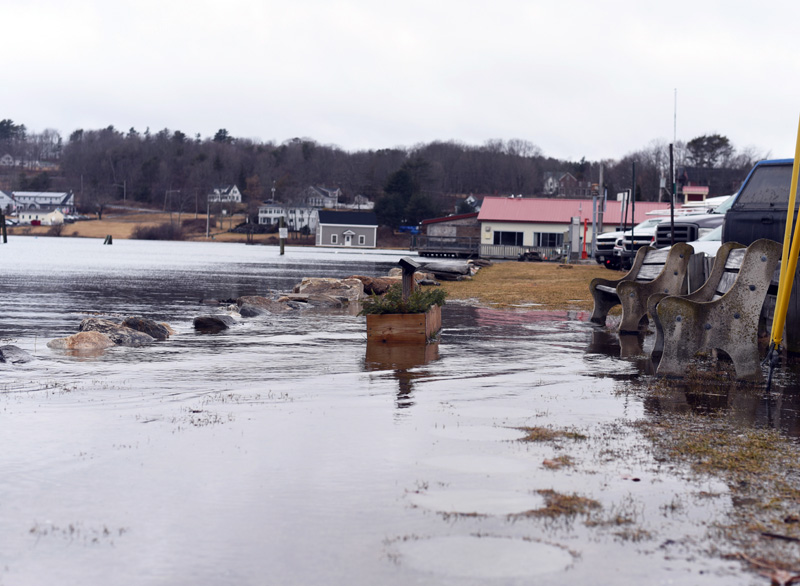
point(288, 451)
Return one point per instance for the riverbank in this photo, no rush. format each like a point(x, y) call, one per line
point(531, 285)
point(122, 225)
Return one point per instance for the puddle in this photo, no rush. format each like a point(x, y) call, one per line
point(476, 502)
point(484, 557)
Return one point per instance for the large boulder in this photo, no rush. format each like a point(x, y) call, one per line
point(377, 285)
point(348, 290)
point(147, 326)
point(121, 335)
point(82, 341)
point(212, 324)
point(254, 305)
point(14, 355)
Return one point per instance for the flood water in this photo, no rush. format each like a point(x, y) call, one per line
point(287, 451)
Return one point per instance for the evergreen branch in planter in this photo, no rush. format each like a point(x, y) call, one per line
point(420, 301)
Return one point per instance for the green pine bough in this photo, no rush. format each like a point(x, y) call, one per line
point(420, 301)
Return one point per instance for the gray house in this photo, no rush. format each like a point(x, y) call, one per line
point(347, 229)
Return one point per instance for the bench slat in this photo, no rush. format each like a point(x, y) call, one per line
point(648, 273)
point(656, 256)
point(735, 257)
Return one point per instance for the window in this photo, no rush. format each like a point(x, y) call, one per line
point(362, 240)
point(548, 239)
point(334, 239)
point(508, 238)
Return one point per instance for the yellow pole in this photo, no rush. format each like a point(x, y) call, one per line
point(788, 258)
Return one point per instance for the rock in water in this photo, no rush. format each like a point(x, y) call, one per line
point(212, 324)
point(254, 305)
point(348, 289)
point(121, 335)
point(14, 355)
point(90, 340)
point(377, 285)
point(147, 326)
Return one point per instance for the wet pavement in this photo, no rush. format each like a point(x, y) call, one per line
point(287, 450)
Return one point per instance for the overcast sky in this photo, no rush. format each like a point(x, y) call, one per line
point(577, 78)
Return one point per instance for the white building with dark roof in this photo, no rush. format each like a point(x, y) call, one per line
point(49, 200)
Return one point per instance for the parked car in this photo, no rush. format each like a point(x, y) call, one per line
point(760, 208)
point(691, 227)
point(606, 242)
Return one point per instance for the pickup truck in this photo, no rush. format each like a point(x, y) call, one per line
point(759, 210)
point(606, 242)
point(690, 227)
point(631, 241)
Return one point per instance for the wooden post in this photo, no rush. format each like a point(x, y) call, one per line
point(282, 234)
point(3, 224)
point(409, 268)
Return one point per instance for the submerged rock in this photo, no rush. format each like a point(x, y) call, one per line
point(147, 326)
point(253, 305)
point(14, 355)
point(212, 324)
point(121, 335)
point(89, 340)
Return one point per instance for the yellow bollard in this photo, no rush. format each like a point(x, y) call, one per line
point(789, 257)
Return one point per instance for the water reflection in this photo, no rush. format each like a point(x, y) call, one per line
point(403, 360)
point(630, 347)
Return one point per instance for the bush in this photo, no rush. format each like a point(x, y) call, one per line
point(198, 225)
point(55, 230)
point(420, 301)
point(166, 231)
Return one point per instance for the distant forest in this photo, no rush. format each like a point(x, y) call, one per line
point(172, 170)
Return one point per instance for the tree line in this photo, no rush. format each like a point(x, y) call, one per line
point(171, 170)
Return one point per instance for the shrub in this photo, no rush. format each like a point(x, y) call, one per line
point(166, 231)
point(420, 301)
point(198, 224)
point(55, 230)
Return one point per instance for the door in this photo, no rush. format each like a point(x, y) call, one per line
point(348, 240)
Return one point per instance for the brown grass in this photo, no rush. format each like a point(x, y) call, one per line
point(539, 285)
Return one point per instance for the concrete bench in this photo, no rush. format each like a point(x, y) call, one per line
point(721, 315)
point(653, 271)
point(720, 279)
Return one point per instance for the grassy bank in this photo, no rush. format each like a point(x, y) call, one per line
point(531, 285)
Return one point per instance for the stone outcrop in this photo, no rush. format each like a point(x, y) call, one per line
point(14, 355)
point(212, 324)
point(119, 334)
point(148, 326)
point(347, 290)
point(82, 341)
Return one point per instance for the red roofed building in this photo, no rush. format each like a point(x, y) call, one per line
point(510, 226)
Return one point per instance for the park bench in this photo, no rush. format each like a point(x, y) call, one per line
point(653, 271)
point(722, 315)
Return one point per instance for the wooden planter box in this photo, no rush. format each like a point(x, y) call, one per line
point(405, 328)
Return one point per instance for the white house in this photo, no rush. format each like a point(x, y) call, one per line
point(46, 217)
point(295, 217)
point(49, 200)
point(226, 194)
point(7, 203)
point(322, 197)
